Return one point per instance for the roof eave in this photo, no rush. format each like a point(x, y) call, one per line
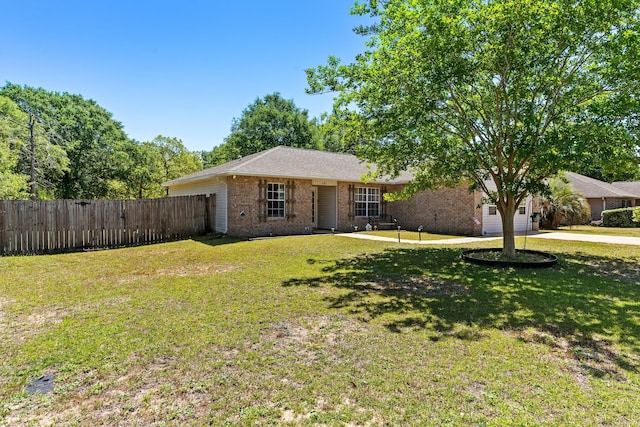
point(181, 181)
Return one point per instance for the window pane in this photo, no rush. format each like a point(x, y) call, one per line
point(374, 209)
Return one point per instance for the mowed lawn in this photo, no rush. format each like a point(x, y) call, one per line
point(320, 330)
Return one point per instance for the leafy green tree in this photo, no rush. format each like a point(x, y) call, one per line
point(41, 156)
point(331, 134)
point(13, 184)
point(96, 145)
point(504, 90)
point(175, 160)
point(214, 157)
point(148, 164)
point(266, 123)
point(141, 174)
point(74, 145)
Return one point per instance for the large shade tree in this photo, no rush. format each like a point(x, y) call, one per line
point(73, 145)
point(509, 91)
point(266, 123)
point(174, 158)
point(149, 164)
point(37, 141)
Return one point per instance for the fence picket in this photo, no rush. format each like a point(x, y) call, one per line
point(36, 227)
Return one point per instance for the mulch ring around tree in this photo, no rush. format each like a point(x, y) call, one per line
point(525, 258)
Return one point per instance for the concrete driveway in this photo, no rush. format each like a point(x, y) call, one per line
point(596, 238)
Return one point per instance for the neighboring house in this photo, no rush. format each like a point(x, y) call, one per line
point(632, 187)
point(601, 196)
point(286, 190)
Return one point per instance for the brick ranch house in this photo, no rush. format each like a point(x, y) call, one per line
point(603, 196)
point(286, 191)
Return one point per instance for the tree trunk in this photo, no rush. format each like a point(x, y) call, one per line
point(508, 232)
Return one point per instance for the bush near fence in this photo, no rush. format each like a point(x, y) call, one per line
point(619, 218)
point(50, 226)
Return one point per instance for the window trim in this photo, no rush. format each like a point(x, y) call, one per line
point(371, 201)
point(277, 189)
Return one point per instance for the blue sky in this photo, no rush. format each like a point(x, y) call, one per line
point(182, 69)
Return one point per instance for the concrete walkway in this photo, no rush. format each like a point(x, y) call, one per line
point(454, 241)
point(596, 238)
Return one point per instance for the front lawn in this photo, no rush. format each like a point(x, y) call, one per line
point(320, 330)
point(409, 235)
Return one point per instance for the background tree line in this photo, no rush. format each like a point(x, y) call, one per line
point(271, 121)
point(61, 146)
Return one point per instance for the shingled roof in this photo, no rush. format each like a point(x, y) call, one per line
point(288, 162)
point(632, 187)
point(594, 189)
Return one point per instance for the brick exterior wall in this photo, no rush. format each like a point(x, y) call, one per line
point(243, 194)
point(596, 205)
point(446, 211)
point(346, 222)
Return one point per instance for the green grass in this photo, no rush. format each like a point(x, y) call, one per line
point(607, 231)
point(320, 330)
point(409, 235)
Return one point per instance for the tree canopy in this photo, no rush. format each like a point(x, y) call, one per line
point(30, 113)
point(153, 162)
point(266, 123)
point(510, 91)
point(60, 145)
point(13, 183)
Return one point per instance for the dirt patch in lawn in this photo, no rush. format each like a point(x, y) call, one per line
point(182, 270)
point(195, 270)
point(21, 326)
point(418, 285)
point(291, 417)
point(145, 395)
point(302, 336)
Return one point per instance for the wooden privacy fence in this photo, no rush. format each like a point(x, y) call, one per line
point(38, 227)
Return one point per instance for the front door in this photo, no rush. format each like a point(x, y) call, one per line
point(326, 207)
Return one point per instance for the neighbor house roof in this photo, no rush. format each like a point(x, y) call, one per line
point(594, 189)
point(632, 187)
point(288, 162)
